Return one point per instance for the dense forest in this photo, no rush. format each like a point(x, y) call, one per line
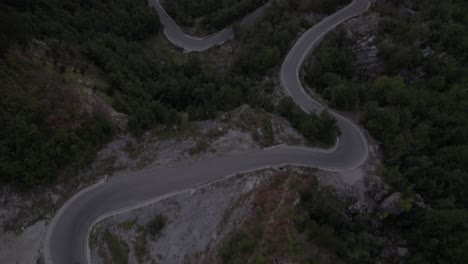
point(417, 109)
point(143, 80)
point(43, 128)
point(42, 125)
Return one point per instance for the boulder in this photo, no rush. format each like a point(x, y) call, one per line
point(358, 208)
point(402, 251)
point(391, 204)
point(376, 189)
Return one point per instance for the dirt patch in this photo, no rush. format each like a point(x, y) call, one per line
point(23, 248)
point(196, 220)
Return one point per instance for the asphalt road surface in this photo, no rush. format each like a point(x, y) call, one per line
point(67, 237)
point(189, 43)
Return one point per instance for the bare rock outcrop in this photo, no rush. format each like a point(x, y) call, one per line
point(391, 204)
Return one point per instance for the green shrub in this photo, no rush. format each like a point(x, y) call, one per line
point(118, 249)
point(237, 248)
point(155, 226)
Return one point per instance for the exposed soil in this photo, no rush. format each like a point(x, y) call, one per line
point(22, 248)
point(196, 219)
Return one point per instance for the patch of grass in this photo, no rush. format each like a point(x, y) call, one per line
point(118, 249)
point(127, 225)
point(260, 259)
point(132, 151)
point(200, 147)
point(140, 246)
point(267, 131)
point(183, 131)
point(248, 119)
point(93, 238)
point(108, 164)
point(237, 248)
point(155, 226)
point(290, 140)
point(214, 134)
point(277, 180)
point(104, 255)
point(203, 144)
point(258, 123)
point(145, 160)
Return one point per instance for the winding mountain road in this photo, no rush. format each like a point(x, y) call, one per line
point(189, 43)
point(67, 236)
